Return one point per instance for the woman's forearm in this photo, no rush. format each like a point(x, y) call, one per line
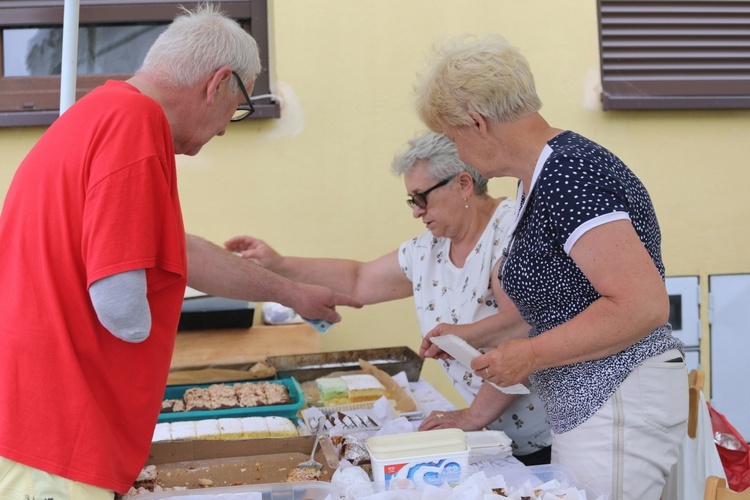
point(372, 282)
point(489, 404)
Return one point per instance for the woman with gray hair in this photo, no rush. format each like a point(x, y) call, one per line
point(449, 271)
point(583, 267)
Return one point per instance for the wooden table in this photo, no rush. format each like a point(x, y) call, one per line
point(230, 346)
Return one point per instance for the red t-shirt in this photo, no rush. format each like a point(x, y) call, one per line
point(96, 196)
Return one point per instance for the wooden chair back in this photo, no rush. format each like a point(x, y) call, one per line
point(696, 379)
point(717, 489)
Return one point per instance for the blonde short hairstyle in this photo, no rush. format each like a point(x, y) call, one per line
point(196, 44)
point(485, 75)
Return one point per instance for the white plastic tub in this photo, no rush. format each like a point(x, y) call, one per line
point(429, 457)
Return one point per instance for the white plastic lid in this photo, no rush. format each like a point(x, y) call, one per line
point(417, 444)
point(488, 439)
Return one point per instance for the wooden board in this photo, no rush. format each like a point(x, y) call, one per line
point(205, 347)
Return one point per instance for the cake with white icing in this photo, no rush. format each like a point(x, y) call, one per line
point(182, 430)
point(226, 429)
point(281, 427)
point(332, 391)
point(207, 429)
point(254, 427)
point(230, 428)
point(161, 432)
point(363, 387)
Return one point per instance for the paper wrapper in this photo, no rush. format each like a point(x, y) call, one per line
point(217, 374)
point(404, 403)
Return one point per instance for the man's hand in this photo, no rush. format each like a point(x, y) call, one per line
point(215, 271)
point(317, 302)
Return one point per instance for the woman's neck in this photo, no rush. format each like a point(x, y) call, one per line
point(463, 244)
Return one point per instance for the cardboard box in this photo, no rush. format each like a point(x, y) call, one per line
point(232, 463)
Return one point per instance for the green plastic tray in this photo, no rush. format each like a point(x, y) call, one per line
point(288, 410)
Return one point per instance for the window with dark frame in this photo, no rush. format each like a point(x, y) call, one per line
point(674, 54)
point(113, 39)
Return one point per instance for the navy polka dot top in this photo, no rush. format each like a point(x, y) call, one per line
point(579, 186)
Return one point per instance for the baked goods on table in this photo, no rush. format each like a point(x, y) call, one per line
point(363, 387)
point(226, 429)
point(280, 427)
point(255, 427)
point(338, 422)
point(332, 391)
point(206, 464)
point(302, 474)
point(354, 450)
point(346, 389)
point(225, 396)
point(146, 483)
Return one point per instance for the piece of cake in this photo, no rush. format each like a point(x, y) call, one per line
point(363, 387)
point(231, 428)
point(354, 450)
point(167, 406)
point(254, 427)
point(207, 429)
point(281, 427)
point(197, 398)
point(162, 432)
point(332, 391)
point(302, 474)
point(222, 396)
point(182, 430)
point(275, 394)
point(146, 478)
point(248, 394)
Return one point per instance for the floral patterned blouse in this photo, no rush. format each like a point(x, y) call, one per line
point(444, 293)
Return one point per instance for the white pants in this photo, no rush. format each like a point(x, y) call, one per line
point(20, 482)
point(627, 448)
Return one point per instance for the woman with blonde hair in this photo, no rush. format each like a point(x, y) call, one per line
point(583, 268)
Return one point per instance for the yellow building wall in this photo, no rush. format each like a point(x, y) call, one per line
point(316, 182)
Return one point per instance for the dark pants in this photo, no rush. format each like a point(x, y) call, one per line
point(541, 457)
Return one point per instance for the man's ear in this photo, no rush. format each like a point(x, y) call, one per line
point(480, 123)
point(222, 76)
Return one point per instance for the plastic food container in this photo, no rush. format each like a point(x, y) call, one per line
point(307, 490)
point(429, 457)
point(297, 400)
point(539, 474)
point(403, 490)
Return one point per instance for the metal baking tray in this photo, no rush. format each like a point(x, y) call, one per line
point(306, 367)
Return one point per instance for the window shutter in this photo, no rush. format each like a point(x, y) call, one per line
point(675, 54)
